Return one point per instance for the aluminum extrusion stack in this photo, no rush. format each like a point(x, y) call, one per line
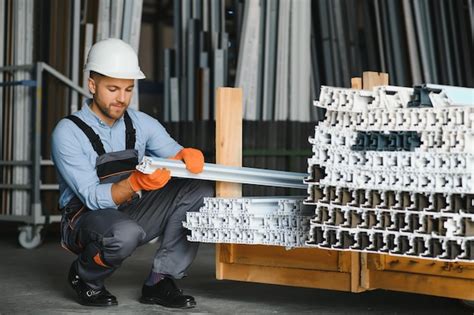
point(266, 221)
point(198, 62)
point(392, 172)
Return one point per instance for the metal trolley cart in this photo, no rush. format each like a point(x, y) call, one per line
point(33, 214)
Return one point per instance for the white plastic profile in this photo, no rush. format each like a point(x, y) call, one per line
point(215, 172)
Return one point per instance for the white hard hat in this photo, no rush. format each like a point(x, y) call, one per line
point(114, 58)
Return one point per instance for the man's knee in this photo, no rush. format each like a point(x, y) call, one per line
point(121, 241)
point(203, 189)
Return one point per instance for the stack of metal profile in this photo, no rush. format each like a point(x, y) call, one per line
point(276, 221)
point(392, 172)
point(16, 99)
point(198, 63)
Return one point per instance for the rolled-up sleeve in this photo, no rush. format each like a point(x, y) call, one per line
point(75, 167)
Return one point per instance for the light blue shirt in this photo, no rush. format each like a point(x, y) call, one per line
point(75, 159)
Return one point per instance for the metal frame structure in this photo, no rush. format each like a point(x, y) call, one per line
point(30, 234)
point(243, 175)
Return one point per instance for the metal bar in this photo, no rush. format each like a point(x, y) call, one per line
point(29, 83)
point(2, 58)
point(216, 172)
point(261, 61)
point(300, 60)
point(103, 19)
point(116, 18)
point(17, 68)
point(192, 52)
point(446, 47)
point(326, 43)
point(47, 163)
point(28, 118)
point(174, 99)
point(396, 42)
point(412, 44)
point(88, 38)
point(166, 83)
point(341, 33)
point(177, 37)
point(282, 73)
point(21, 111)
point(197, 9)
point(64, 79)
point(36, 156)
point(383, 66)
point(15, 163)
point(76, 13)
point(49, 187)
point(16, 186)
point(420, 31)
point(430, 40)
point(26, 219)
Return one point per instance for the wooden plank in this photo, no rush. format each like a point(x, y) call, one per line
point(370, 79)
point(427, 267)
point(424, 284)
point(228, 152)
point(288, 276)
point(277, 256)
point(356, 83)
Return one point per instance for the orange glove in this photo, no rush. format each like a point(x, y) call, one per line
point(193, 159)
point(156, 180)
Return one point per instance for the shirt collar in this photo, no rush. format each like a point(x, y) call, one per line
point(92, 117)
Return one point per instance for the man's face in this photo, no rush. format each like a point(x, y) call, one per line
point(111, 96)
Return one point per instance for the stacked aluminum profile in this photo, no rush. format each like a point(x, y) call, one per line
point(392, 172)
point(265, 221)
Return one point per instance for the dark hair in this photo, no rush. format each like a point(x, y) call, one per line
point(93, 74)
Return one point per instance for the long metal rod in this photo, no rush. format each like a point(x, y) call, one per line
point(15, 68)
point(76, 14)
point(64, 79)
point(36, 156)
point(215, 172)
point(28, 219)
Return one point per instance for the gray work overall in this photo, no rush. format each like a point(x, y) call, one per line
point(103, 238)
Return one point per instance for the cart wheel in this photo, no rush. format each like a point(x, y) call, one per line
point(468, 303)
point(30, 236)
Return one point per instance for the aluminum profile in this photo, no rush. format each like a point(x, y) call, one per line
point(215, 172)
point(278, 221)
point(392, 172)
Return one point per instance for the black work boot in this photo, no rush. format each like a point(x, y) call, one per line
point(87, 295)
point(166, 293)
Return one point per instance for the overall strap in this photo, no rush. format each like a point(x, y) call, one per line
point(130, 134)
point(93, 137)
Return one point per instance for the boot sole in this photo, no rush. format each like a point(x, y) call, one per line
point(97, 304)
point(145, 300)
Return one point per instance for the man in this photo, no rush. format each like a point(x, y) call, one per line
point(108, 207)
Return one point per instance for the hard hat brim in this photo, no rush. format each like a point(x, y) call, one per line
point(120, 75)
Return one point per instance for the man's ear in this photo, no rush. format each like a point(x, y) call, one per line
point(91, 85)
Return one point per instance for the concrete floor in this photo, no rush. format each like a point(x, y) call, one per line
point(34, 282)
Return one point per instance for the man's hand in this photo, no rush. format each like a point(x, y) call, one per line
point(193, 158)
point(156, 180)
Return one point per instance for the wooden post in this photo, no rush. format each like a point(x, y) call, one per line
point(228, 152)
point(359, 270)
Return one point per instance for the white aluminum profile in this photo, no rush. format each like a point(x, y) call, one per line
point(452, 95)
point(243, 175)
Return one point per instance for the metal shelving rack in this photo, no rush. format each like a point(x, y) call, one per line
point(30, 234)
